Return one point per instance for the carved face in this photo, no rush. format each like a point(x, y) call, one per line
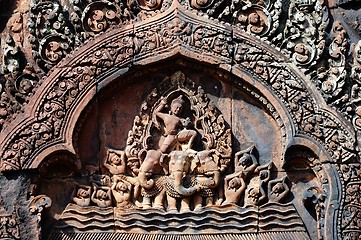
point(115, 159)
point(234, 183)
point(101, 194)
point(278, 188)
point(176, 108)
point(83, 193)
point(122, 187)
point(245, 160)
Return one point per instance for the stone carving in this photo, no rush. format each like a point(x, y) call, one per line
point(51, 34)
point(314, 198)
point(310, 121)
point(149, 4)
point(333, 80)
point(101, 196)
point(217, 32)
point(350, 209)
point(182, 146)
point(121, 191)
point(9, 224)
point(182, 165)
point(82, 196)
point(215, 44)
point(37, 205)
point(304, 33)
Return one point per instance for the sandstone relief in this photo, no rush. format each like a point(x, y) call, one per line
point(162, 119)
point(178, 166)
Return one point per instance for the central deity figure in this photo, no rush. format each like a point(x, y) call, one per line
point(176, 128)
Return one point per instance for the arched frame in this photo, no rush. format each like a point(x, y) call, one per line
point(257, 66)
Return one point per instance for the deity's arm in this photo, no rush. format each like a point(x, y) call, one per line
point(113, 170)
point(93, 198)
point(158, 110)
point(233, 175)
point(243, 186)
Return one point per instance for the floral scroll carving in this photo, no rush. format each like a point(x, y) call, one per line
point(350, 213)
point(99, 16)
point(9, 224)
point(51, 34)
point(236, 36)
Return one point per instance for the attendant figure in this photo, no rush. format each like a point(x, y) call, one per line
point(233, 189)
point(82, 196)
point(122, 194)
point(102, 196)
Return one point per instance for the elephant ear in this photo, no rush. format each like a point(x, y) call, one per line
point(195, 163)
point(141, 155)
point(164, 162)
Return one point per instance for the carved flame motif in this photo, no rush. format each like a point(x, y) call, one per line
point(201, 3)
point(98, 16)
point(53, 48)
point(150, 4)
point(254, 20)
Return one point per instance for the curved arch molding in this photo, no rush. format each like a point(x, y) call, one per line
point(46, 125)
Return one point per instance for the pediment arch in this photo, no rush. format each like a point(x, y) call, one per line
point(240, 59)
point(236, 52)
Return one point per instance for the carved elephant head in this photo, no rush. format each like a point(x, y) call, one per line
point(151, 166)
point(207, 168)
point(179, 165)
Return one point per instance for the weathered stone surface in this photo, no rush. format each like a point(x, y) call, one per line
point(180, 118)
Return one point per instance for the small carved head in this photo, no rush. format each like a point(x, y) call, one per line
point(121, 187)
point(83, 193)
point(234, 183)
point(176, 106)
point(101, 194)
point(114, 159)
point(278, 188)
point(245, 160)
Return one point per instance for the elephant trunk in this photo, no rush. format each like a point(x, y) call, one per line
point(178, 185)
point(216, 178)
point(144, 182)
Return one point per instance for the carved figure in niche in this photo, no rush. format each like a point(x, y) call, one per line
point(208, 176)
point(116, 162)
point(278, 190)
point(176, 128)
point(253, 192)
point(180, 184)
point(245, 162)
point(122, 193)
point(149, 179)
point(102, 196)
point(82, 196)
point(264, 173)
point(233, 189)
point(256, 190)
